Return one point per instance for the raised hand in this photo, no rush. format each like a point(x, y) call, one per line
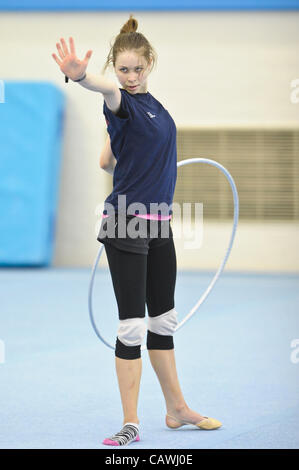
point(69, 64)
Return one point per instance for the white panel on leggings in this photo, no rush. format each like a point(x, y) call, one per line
point(131, 331)
point(164, 324)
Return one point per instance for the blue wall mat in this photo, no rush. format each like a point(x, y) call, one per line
point(31, 132)
point(133, 6)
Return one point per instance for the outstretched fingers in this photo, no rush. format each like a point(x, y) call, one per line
point(87, 56)
point(64, 50)
point(56, 59)
point(72, 46)
point(64, 47)
point(60, 52)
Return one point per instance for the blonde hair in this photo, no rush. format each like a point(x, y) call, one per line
point(129, 39)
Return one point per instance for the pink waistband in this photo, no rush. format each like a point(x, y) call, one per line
point(148, 216)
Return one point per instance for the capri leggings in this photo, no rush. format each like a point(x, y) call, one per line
point(144, 279)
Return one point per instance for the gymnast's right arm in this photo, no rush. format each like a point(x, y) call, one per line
point(75, 69)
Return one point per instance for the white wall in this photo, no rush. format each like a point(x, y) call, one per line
point(213, 68)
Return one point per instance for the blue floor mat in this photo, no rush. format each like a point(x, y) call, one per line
point(58, 381)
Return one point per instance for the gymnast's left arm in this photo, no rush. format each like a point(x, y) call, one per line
point(110, 168)
point(107, 159)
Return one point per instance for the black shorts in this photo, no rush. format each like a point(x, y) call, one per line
point(150, 233)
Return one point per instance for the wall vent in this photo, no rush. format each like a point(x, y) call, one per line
point(264, 163)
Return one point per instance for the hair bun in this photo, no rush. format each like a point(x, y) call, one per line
point(130, 26)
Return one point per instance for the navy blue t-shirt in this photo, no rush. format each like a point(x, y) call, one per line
point(143, 141)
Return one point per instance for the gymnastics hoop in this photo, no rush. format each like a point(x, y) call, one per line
point(215, 278)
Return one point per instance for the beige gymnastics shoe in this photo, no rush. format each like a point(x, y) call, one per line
point(206, 423)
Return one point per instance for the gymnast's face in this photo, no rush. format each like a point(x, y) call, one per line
point(132, 69)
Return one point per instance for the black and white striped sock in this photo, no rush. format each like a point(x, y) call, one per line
point(128, 434)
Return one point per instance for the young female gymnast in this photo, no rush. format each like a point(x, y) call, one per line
point(140, 153)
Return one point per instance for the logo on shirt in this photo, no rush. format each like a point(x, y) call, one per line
point(151, 115)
